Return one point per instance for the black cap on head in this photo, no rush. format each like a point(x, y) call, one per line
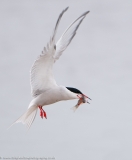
point(74, 90)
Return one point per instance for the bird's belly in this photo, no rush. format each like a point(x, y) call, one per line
point(53, 96)
point(46, 99)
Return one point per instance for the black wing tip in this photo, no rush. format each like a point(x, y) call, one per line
point(66, 8)
point(58, 20)
point(85, 13)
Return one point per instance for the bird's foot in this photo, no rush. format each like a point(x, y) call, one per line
point(42, 112)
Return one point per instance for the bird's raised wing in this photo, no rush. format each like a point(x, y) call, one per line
point(68, 35)
point(41, 75)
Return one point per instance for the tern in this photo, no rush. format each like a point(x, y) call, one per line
point(44, 89)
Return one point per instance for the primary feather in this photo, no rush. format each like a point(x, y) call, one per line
point(68, 35)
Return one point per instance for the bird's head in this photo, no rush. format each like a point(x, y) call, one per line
point(82, 97)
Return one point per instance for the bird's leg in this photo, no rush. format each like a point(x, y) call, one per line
point(42, 112)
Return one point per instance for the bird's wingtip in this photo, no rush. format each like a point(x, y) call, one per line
point(66, 8)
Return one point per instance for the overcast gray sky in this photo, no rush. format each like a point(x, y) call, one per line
point(98, 62)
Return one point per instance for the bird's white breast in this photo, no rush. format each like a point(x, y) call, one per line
point(58, 93)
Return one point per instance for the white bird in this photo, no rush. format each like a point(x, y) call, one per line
point(44, 88)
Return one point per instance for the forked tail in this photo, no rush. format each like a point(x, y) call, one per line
point(28, 117)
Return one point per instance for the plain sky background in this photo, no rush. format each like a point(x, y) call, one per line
point(98, 62)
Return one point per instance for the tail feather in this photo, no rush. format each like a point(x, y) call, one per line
point(28, 117)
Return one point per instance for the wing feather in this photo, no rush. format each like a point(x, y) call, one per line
point(68, 35)
point(41, 74)
point(58, 21)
